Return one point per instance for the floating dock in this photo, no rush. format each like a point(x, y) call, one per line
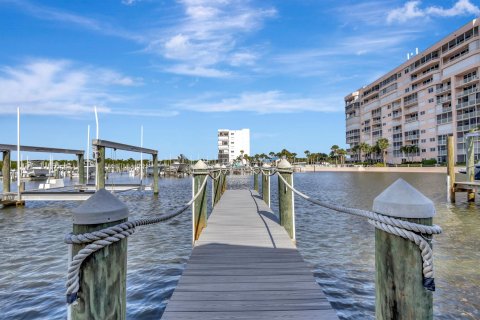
point(245, 266)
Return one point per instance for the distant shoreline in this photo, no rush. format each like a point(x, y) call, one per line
point(318, 168)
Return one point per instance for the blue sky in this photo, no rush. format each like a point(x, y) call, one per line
point(185, 68)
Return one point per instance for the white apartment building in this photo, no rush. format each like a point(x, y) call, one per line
point(432, 95)
point(231, 144)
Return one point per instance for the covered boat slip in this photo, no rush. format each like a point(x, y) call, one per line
point(245, 266)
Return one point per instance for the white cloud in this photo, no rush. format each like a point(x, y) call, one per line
point(61, 87)
point(412, 10)
point(197, 71)
point(52, 14)
point(208, 36)
point(264, 103)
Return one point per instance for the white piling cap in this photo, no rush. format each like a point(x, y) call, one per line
point(102, 207)
point(284, 164)
point(401, 200)
point(224, 166)
point(266, 165)
point(200, 165)
point(217, 165)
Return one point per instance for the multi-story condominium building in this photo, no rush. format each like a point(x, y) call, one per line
point(432, 95)
point(232, 143)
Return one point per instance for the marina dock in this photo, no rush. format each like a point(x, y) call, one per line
point(245, 266)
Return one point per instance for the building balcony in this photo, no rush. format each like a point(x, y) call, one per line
point(410, 102)
point(467, 104)
point(411, 110)
point(222, 138)
point(443, 89)
point(468, 127)
point(397, 139)
point(410, 120)
point(222, 147)
point(467, 92)
point(412, 137)
point(468, 115)
point(443, 100)
point(441, 109)
point(467, 81)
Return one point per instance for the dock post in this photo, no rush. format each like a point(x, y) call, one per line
point(399, 282)
point(224, 178)
point(199, 207)
point(470, 167)
point(266, 184)
point(286, 202)
point(81, 169)
point(155, 174)
point(101, 167)
point(103, 274)
point(217, 185)
point(255, 178)
point(451, 169)
point(6, 171)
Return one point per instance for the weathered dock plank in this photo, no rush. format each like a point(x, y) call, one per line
point(245, 266)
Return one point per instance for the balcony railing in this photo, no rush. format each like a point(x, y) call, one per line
point(470, 79)
point(467, 92)
point(409, 120)
point(412, 137)
point(468, 127)
point(443, 89)
point(468, 103)
point(410, 102)
point(444, 99)
point(441, 109)
point(468, 115)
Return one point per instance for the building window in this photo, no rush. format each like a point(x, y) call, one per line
point(424, 150)
point(432, 139)
point(422, 113)
point(423, 131)
point(423, 140)
point(430, 90)
point(430, 100)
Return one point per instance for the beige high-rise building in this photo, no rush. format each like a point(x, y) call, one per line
point(435, 93)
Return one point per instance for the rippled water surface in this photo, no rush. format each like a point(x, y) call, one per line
point(33, 257)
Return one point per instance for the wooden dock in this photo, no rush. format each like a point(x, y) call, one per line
point(245, 266)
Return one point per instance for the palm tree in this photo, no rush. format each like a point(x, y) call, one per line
point(341, 153)
point(364, 148)
point(334, 150)
point(355, 149)
point(307, 155)
point(382, 145)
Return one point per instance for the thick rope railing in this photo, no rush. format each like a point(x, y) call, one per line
point(102, 238)
point(405, 229)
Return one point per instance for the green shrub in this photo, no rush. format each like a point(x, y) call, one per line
point(429, 162)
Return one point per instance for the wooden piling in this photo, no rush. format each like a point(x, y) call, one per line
point(155, 173)
point(103, 274)
point(266, 184)
point(6, 171)
point(224, 179)
point(199, 207)
point(81, 169)
point(255, 178)
point(470, 163)
point(286, 202)
point(217, 184)
point(101, 167)
point(451, 169)
point(399, 283)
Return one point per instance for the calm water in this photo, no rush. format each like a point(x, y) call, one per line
point(33, 257)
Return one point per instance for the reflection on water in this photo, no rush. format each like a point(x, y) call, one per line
point(33, 257)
